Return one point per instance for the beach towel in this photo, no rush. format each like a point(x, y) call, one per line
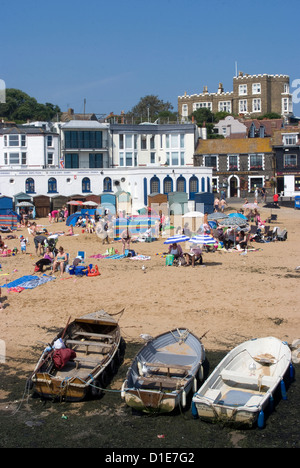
point(29, 281)
point(140, 257)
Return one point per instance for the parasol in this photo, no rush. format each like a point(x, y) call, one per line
point(203, 239)
point(176, 239)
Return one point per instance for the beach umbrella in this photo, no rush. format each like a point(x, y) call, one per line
point(217, 216)
point(237, 215)
point(193, 214)
point(203, 239)
point(25, 203)
point(176, 239)
point(90, 203)
point(75, 203)
point(250, 206)
point(233, 221)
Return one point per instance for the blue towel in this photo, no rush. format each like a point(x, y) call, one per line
point(29, 281)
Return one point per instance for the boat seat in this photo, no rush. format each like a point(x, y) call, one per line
point(160, 367)
point(213, 394)
point(93, 335)
point(255, 400)
point(87, 344)
point(90, 362)
point(239, 378)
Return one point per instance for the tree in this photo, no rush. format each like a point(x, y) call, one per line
point(20, 106)
point(149, 108)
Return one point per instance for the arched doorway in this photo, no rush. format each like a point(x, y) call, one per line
point(233, 186)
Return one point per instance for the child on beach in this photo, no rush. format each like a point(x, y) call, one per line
point(23, 244)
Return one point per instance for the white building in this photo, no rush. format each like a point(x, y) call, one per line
point(90, 158)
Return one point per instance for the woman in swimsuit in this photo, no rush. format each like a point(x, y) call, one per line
point(60, 259)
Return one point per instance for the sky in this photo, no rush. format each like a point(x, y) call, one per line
point(110, 54)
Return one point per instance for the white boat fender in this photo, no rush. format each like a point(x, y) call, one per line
point(201, 373)
point(195, 385)
point(183, 399)
point(123, 390)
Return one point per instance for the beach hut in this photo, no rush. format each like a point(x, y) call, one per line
point(108, 202)
point(58, 201)
point(42, 205)
point(6, 203)
point(178, 201)
point(123, 202)
point(159, 203)
point(207, 200)
point(21, 197)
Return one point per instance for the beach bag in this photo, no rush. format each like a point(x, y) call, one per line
point(62, 356)
point(169, 260)
point(111, 251)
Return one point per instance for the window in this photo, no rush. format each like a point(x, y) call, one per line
point(13, 140)
point(152, 142)
point(184, 110)
point(83, 139)
point(168, 185)
point(297, 184)
point(256, 105)
point(256, 88)
point(143, 142)
point(29, 185)
point(256, 182)
point(243, 106)
point(224, 106)
point(199, 105)
point(95, 160)
point(107, 184)
point(233, 163)
point(52, 185)
point(15, 158)
point(71, 161)
point(290, 161)
point(180, 184)
point(242, 89)
point(152, 157)
point(193, 186)
point(49, 141)
point(50, 159)
point(154, 185)
point(121, 141)
point(86, 184)
point(290, 140)
point(210, 161)
point(256, 162)
point(286, 105)
point(286, 88)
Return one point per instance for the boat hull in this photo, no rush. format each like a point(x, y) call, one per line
point(174, 364)
point(243, 385)
point(96, 339)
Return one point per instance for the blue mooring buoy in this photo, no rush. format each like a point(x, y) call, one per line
point(261, 420)
point(194, 410)
point(283, 390)
point(292, 372)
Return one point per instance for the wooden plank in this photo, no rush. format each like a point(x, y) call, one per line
point(97, 344)
point(168, 366)
point(93, 335)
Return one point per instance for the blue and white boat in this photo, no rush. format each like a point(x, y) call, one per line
point(242, 386)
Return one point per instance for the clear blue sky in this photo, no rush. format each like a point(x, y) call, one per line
point(112, 53)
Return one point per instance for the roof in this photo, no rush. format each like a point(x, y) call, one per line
point(86, 124)
point(270, 124)
point(234, 146)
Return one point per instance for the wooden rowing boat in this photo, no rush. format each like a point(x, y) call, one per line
point(164, 371)
point(244, 383)
point(97, 348)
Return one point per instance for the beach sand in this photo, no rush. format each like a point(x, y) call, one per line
point(230, 299)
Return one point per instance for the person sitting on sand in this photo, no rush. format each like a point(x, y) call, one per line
point(176, 250)
point(46, 260)
point(60, 260)
point(242, 240)
point(193, 255)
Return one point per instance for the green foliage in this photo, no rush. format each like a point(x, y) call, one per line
point(21, 107)
point(152, 107)
point(269, 115)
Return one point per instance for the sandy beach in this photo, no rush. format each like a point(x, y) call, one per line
point(231, 298)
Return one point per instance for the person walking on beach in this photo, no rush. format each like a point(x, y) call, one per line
point(23, 243)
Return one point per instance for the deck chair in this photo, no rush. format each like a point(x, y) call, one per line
point(81, 254)
point(282, 235)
